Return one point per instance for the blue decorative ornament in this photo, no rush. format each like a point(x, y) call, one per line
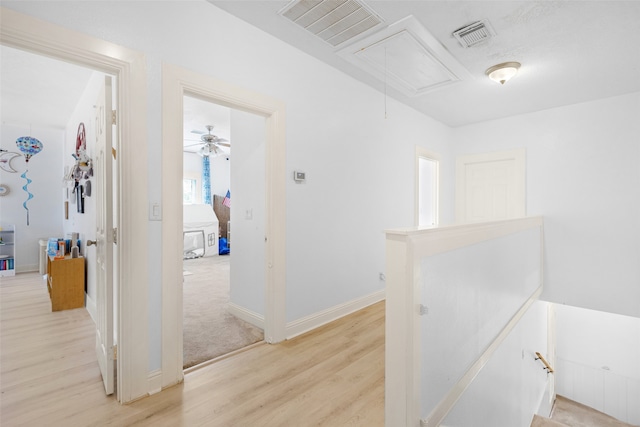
point(29, 147)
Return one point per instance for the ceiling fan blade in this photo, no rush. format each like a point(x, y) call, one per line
point(198, 132)
point(193, 145)
point(224, 144)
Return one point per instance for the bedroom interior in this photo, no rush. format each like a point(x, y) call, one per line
point(210, 330)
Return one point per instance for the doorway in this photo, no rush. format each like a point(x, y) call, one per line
point(84, 107)
point(128, 66)
point(176, 82)
point(427, 188)
point(218, 276)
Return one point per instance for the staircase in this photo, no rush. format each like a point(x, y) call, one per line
point(567, 413)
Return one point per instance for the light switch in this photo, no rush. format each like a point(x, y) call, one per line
point(155, 211)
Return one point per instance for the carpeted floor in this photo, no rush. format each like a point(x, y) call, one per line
point(209, 330)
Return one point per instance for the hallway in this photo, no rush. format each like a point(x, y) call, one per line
point(49, 375)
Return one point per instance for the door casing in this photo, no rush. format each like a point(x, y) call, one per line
point(176, 83)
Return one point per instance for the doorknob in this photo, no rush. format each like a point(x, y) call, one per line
point(91, 242)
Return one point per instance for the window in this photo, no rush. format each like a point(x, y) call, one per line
point(188, 191)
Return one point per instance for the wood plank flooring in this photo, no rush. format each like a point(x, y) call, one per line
point(333, 376)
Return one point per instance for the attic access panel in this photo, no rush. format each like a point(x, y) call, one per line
point(406, 56)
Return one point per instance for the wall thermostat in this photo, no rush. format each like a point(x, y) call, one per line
point(299, 176)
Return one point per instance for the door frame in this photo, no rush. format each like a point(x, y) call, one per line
point(128, 66)
point(177, 82)
point(422, 152)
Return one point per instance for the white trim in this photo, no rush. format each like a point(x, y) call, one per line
point(308, 323)
point(90, 305)
point(247, 315)
point(154, 382)
point(44, 38)
point(176, 82)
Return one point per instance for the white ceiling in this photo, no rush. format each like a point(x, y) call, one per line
point(570, 51)
point(37, 91)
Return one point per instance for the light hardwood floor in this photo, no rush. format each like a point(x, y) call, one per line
point(333, 376)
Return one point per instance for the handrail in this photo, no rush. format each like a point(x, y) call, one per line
point(547, 367)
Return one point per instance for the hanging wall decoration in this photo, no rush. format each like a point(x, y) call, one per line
point(81, 170)
point(206, 180)
point(29, 147)
point(5, 160)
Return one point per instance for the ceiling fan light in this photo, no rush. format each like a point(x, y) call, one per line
point(204, 151)
point(502, 73)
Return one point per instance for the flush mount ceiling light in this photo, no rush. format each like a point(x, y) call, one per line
point(501, 73)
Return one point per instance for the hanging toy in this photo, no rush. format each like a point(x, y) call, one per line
point(29, 147)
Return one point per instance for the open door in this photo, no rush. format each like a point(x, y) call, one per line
point(104, 236)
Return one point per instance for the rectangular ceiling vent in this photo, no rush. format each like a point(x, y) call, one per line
point(334, 21)
point(474, 33)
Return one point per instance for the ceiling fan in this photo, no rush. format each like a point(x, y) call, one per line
point(211, 144)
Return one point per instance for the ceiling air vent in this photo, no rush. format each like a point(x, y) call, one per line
point(474, 33)
point(334, 21)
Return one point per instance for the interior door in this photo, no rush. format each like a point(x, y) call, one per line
point(104, 235)
point(490, 186)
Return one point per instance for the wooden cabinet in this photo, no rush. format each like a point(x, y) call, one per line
point(65, 282)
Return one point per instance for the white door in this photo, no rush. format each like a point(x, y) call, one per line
point(490, 187)
point(104, 236)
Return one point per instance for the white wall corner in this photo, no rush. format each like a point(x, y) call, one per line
point(305, 324)
point(90, 305)
point(154, 381)
point(247, 315)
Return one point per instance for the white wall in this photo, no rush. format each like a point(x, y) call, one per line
point(220, 172)
point(598, 357)
point(45, 208)
point(248, 212)
point(583, 176)
point(510, 387)
point(359, 164)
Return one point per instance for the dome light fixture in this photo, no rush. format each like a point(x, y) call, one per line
point(501, 73)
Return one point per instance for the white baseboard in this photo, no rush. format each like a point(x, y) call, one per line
point(252, 317)
point(27, 268)
point(91, 307)
point(154, 382)
point(305, 324)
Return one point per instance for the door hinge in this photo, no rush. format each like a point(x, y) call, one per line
point(115, 352)
point(113, 117)
point(115, 235)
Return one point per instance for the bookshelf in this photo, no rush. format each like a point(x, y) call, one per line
point(7, 251)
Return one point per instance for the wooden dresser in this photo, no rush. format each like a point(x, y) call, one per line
point(65, 282)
